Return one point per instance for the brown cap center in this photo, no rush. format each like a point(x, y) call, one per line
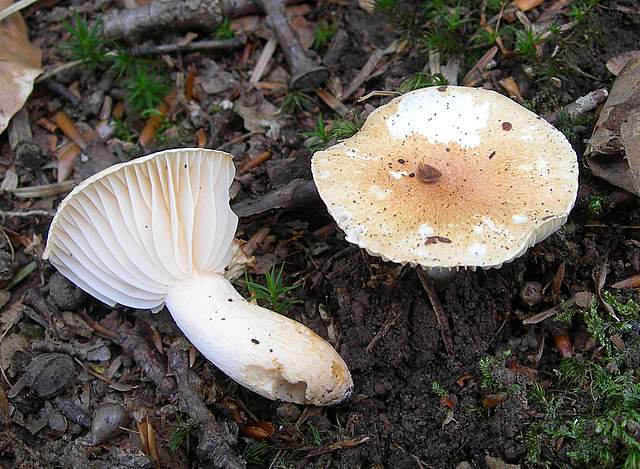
point(428, 174)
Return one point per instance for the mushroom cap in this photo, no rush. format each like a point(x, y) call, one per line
point(449, 177)
point(129, 233)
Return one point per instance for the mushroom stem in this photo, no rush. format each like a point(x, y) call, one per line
point(266, 352)
point(306, 73)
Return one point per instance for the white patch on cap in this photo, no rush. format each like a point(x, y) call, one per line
point(324, 174)
point(354, 235)
point(353, 153)
point(527, 138)
point(425, 230)
point(398, 174)
point(488, 223)
point(477, 251)
point(379, 192)
point(519, 219)
point(440, 116)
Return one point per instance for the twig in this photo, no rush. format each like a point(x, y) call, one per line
point(297, 193)
point(306, 73)
point(11, 9)
point(441, 317)
point(147, 359)
point(382, 332)
point(580, 106)
point(211, 46)
point(62, 91)
point(163, 16)
point(263, 60)
point(536, 318)
point(212, 445)
point(27, 213)
point(364, 74)
point(239, 139)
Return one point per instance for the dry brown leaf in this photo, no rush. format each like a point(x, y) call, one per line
point(4, 406)
point(631, 282)
point(613, 152)
point(491, 401)
point(258, 430)
point(20, 64)
point(152, 442)
point(510, 85)
point(526, 5)
point(617, 63)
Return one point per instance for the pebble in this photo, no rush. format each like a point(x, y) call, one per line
point(107, 422)
point(64, 293)
point(49, 374)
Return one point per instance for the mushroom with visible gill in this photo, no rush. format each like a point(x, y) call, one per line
point(449, 177)
point(159, 230)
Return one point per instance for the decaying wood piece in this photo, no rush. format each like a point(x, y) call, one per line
point(172, 15)
point(613, 152)
point(146, 358)
point(581, 106)
point(20, 64)
point(297, 193)
point(305, 72)
point(212, 445)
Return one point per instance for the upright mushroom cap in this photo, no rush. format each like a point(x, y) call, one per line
point(449, 177)
point(159, 230)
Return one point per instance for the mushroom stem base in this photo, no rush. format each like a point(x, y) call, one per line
point(266, 352)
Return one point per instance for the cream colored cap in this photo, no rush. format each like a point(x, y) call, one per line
point(449, 177)
point(129, 233)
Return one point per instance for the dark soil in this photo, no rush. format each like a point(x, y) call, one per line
point(377, 314)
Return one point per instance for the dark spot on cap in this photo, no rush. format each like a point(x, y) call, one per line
point(229, 300)
point(493, 153)
point(507, 126)
point(437, 239)
point(442, 88)
point(401, 161)
point(255, 341)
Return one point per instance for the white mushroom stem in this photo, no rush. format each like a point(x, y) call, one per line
point(266, 352)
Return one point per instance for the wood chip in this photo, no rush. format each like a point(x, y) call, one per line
point(526, 5)
point(631, 282)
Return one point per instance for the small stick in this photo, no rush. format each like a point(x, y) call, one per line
point(147, 359)
point(263, 60)
point(306, 72)
point(212, 445)
point(580, 106)
point(62, 91)
point(441, 317)
point(221, 45)
point(27, 213)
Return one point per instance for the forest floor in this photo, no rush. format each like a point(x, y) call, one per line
point(562, 391)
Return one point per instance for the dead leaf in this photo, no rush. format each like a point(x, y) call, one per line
point(258, 430)
point(263, 120)
point(526, 5)
point(4, 406)
point(613, 152)
point(631, 282)
point(20, 64)
point(491, 401)
point(510, 85)
point(446, 401)
point(462, 380)
point(617, 63)
point(564, 346)
point(557, 283)
point(10, 181)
